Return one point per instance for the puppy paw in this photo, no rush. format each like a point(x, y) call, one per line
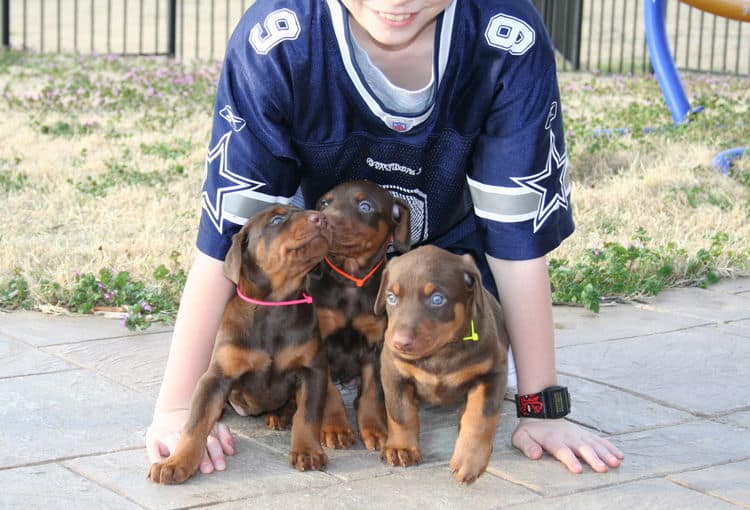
point(308, 460)
point(373, 437)
point(277, 421)
point(336, 436)
point(171, 471)
point(467, 464)
point(401, 456)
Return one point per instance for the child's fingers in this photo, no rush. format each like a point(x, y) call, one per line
point(592, 456)
point(215, 453)
point(156, 451)
point(567, 457)
point(225, 438)
point(527, 444)
point(206, 466)
point(605, 455)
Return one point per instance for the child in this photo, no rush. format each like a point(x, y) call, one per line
point(452, 106)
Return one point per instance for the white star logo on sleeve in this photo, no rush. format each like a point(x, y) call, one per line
point(216, 165)
point(543, 184)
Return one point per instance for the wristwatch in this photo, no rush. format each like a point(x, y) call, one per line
point(552, 402)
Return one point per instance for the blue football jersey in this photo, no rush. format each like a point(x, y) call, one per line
point(487, 154)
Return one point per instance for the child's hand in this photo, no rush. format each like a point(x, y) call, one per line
point(567, 442)
point(164, 432)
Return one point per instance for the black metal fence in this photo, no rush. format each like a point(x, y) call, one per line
point(593, 35)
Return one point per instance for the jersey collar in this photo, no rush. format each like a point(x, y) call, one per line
point(394, 120)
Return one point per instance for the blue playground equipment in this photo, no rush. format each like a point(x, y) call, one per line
point(666, 71)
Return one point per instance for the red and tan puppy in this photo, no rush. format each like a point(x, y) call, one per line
point(445, 342)
point(364, 219)
point(268, 353)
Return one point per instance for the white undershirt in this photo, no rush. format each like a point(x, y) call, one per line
point(394, 98)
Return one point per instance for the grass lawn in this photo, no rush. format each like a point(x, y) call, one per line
point(101, 164)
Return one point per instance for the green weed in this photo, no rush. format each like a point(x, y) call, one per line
point(15, 293)
point(120, 174)
point(628, 272)
point(143, 303)
point(10, 178)
point(67, 129)
point(181, 147)
point(695, 196)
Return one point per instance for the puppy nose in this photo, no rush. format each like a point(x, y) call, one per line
point(316, 218)
point(403, 341)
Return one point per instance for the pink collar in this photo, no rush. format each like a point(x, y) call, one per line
point(305, 299)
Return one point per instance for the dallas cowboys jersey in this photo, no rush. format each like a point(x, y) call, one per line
point(487, 154)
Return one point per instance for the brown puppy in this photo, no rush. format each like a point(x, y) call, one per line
point(445, 341)
point(268, 350)
point(364, 219)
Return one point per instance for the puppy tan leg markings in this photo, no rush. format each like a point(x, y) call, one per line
point(205, 409)
point(371, 411)
point(335, 431)
point(281, 418)
point(306, 453)
point(402, 446)
point(474, 444)
point(181, 465)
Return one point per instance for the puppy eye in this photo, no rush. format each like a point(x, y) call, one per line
point(437, 299)
point(391, 299)
point(365, 206)
point(275, 220)
point(322, 204)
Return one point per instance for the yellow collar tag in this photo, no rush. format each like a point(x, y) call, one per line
point(474, 337)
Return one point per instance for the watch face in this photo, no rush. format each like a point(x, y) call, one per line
point(552, 402)
point(559, 402)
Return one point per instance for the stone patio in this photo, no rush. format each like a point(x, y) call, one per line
point(667, 381)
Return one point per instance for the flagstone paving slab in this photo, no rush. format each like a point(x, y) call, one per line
point(689, 370)
point(52, 416)
point(575, 325)
point(252, 471)
point(40, 329)
point(612, 411)
point(648, 454)
point(645, 376)
point(732, 286)
point(703, 304)
point(657, 494)
point(20, 359)
point(729, 482)
point(741, 327)
point(133, 361)
point(422, 487)
point(53, 486)
point(741, 418)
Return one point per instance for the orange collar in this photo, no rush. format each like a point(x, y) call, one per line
point(359, 282)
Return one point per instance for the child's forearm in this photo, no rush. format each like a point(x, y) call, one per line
point(201, 308)
point(525, 295)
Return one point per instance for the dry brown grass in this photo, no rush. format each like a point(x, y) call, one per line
point(52, 231)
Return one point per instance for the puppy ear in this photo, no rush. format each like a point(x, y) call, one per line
point(233, 260)
point(402, 232)
point(472, 278)
point(379, 307)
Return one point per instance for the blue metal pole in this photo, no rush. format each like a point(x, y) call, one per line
point(662, 61)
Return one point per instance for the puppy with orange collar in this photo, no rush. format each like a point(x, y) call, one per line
point(445, 342)
point(364, 219)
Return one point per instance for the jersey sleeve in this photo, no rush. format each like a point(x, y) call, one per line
point(250, 162)
point(519, 175)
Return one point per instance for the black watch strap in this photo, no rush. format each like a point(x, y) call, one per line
point(552, 402)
